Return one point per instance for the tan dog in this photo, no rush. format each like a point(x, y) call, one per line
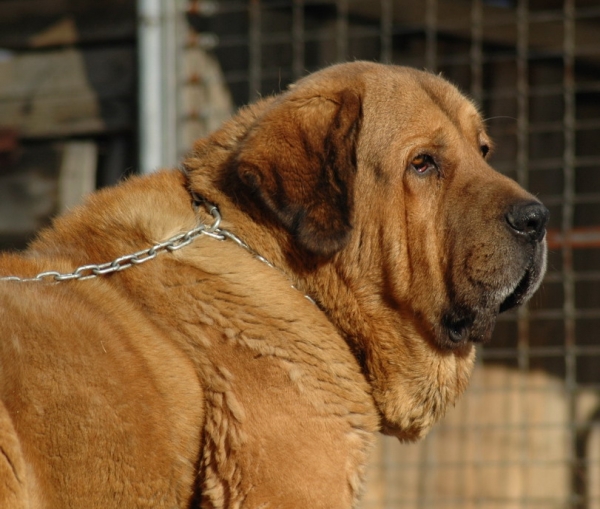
point(201, 377)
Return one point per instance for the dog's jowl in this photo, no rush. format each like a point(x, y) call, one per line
point(233, 334)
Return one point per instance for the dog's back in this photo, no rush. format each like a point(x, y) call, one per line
point(88, 418)
point(126, 390)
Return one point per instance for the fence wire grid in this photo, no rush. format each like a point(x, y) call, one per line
point(527, 432)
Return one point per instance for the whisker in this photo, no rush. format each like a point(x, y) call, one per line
point(499, 116)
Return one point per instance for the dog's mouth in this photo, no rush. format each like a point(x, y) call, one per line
point(521, 292)
point(529, 282)
point(475, 323)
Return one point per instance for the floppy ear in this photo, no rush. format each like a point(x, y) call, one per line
point(300, 159)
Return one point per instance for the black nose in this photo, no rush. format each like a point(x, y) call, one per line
point(528, 218)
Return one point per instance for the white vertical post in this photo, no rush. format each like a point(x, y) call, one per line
point(158, 74)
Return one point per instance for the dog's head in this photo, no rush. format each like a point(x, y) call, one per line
point(378, 176)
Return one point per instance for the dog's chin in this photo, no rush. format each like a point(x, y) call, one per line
point(475, 323)
point(524, 289)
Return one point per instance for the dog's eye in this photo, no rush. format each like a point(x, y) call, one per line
point(484, 150)
point(423, 164)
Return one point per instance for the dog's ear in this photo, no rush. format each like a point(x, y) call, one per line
point(300, 159)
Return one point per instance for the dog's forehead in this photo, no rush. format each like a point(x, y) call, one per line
point(428, 93)
point(391, 91)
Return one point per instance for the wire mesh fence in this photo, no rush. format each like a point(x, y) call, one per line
point(527, 433)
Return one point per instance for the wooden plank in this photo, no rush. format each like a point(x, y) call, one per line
point(110, 71)
point(17, 10)
point(28, 190)
point(48, 178)
point(77, 173)
point(63, 32)
point(43, 23)
point(68, 92)
point(205, 99)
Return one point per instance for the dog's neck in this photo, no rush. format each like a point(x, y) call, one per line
point(219, 233)
point(353, 302)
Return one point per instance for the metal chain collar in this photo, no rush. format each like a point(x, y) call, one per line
point(124, 262)
point(137, 258)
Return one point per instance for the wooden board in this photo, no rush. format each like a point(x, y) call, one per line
point(28, 189)
point(68, 92)
point(47, 23)
point(77, 173)
point(46, 179)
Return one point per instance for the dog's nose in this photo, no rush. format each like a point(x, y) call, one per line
point(528, 218)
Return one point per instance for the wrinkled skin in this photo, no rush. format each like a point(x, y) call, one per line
point(413, 265)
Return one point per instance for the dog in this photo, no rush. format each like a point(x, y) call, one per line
point(232, 333)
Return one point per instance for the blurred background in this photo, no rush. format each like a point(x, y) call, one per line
point(93, 90)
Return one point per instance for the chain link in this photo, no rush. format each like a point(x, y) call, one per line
point(124, 262)
point(130, 260)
